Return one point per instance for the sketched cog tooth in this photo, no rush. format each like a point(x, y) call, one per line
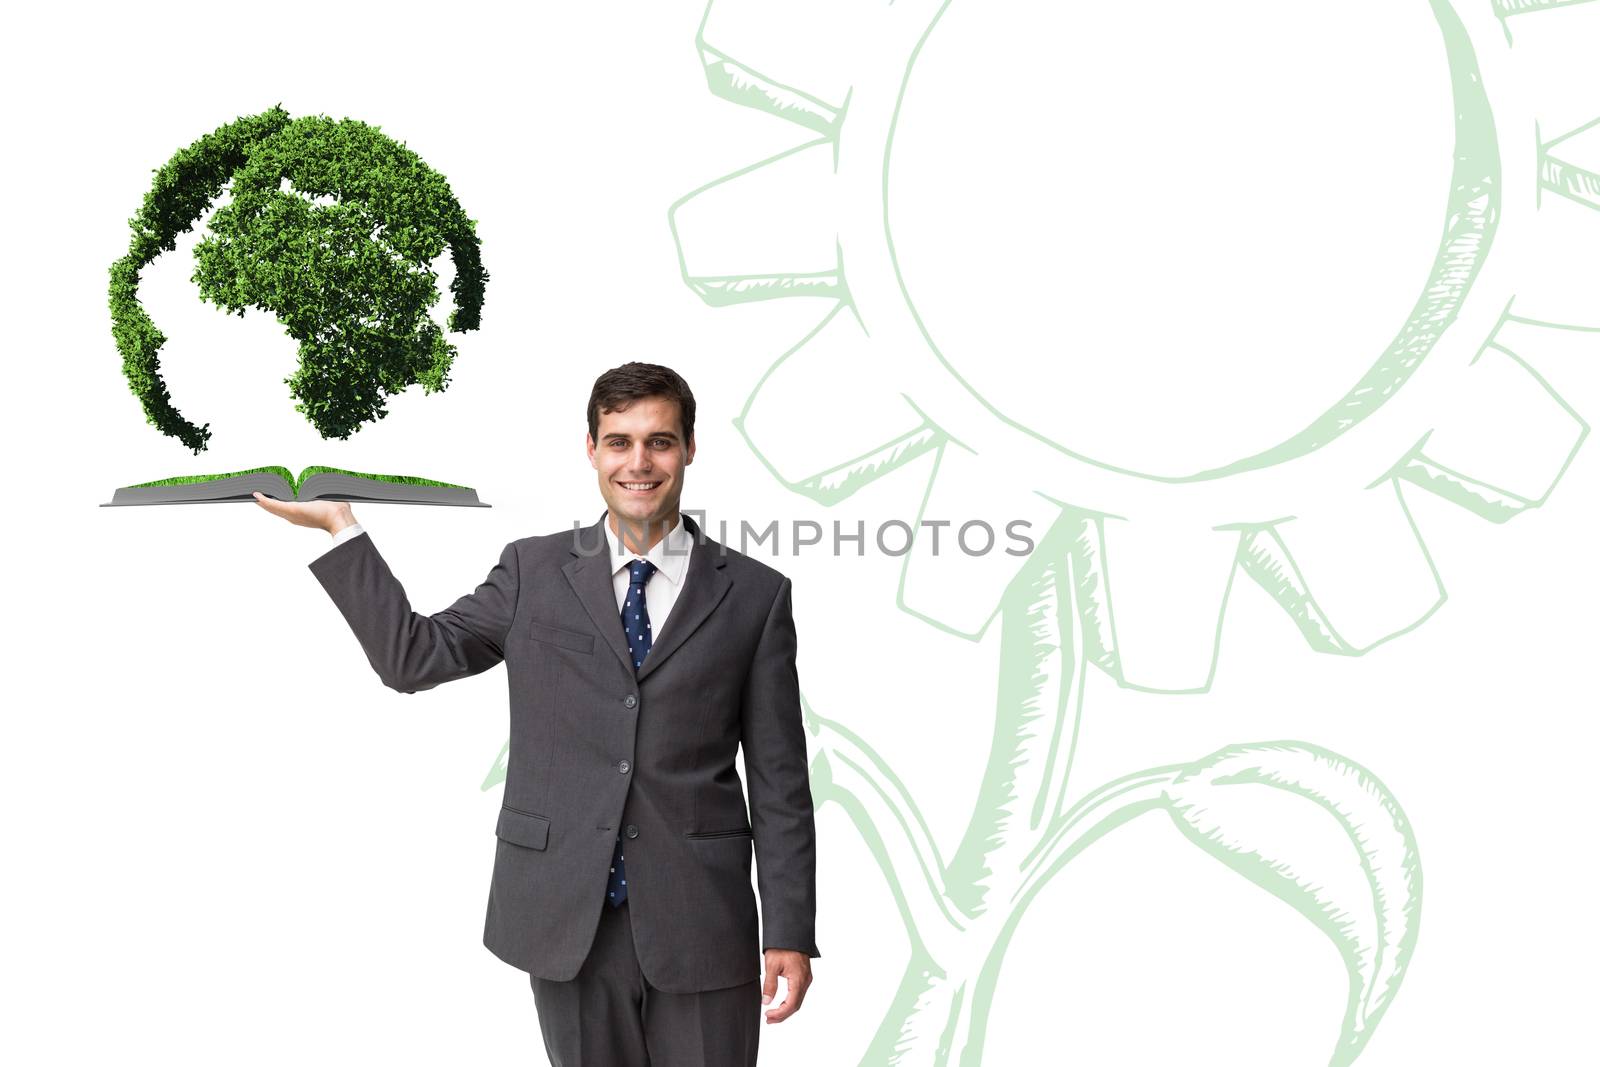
point(1316, 516)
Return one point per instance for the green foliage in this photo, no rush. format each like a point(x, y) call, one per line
point(288, 475)
point(403, 479)
point(333, 227)
point(189, 479)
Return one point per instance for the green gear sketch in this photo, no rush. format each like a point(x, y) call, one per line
point(333, 228)
point(1134, 573)
point(1504, 9)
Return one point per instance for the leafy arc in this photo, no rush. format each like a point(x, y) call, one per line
point(342, 259)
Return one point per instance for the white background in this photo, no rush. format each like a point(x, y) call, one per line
point(227, 842)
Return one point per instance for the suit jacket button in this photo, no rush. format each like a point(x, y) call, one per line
point(629, 701)
point(632, 830)
point(622, 767)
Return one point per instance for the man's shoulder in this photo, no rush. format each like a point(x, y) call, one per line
point(557, 546)
point(748, 569)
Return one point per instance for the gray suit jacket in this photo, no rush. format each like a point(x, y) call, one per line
point(595, 747)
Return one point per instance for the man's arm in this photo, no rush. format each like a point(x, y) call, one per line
point(781, 815)
point(412, 652)
point(344, 534)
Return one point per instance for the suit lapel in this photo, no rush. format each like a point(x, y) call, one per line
point(590, 575)
point(704, 587)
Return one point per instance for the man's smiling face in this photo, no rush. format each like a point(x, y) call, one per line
point(640, 457)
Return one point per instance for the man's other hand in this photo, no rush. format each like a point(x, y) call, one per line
point(796, 970)
point(330, 515)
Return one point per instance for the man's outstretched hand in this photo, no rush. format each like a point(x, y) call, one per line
point(796, 970)
point(330, 515)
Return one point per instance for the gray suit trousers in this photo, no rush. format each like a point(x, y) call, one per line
point(610, 1016)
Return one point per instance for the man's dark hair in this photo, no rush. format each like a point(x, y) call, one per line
point(619, 387)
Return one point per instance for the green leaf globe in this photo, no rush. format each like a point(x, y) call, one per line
point(333, 227)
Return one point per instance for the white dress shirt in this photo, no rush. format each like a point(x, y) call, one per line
point(670, 555)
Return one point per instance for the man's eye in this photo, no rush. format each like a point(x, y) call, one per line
point(662, 442)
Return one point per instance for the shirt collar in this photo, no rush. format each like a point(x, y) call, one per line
point(670, 554)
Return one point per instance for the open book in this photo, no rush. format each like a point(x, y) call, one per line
point(314, 483)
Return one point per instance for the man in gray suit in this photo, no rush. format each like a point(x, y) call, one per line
point(640, 655)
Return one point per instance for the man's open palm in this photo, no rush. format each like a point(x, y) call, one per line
point(330, 515)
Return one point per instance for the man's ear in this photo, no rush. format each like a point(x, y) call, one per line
point(690, 457)
point(588, 444)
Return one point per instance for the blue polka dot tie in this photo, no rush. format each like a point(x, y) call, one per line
point(636, 624)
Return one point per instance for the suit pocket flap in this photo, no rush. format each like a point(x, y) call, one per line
point(743, 831)
point(573, 639)
point(523, 828)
